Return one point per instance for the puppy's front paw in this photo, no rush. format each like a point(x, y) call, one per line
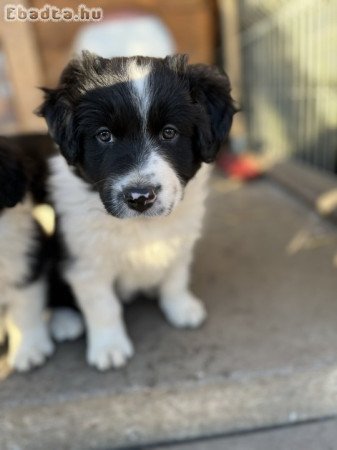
point(30, 351)
point(109, 348)
point(186, 311)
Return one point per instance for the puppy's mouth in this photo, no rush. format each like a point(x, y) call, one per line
point(120, 211)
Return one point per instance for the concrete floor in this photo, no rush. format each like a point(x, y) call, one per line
point(313, 436)
point(267, 355)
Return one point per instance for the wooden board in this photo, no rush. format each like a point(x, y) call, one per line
point(191, 22)
point(24, 71)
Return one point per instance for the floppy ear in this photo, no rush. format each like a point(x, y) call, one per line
point(210, 90)
point(13, 180)
point(59, 103)
point(58, 112)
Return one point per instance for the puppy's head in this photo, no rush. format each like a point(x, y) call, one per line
point(137, 129)
point(13, 181)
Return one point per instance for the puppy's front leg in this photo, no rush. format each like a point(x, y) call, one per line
point(108, 343)
point(28, 338)
point(181, 308)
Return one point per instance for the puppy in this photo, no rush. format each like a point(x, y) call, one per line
point(136, 135)
point(22, 286)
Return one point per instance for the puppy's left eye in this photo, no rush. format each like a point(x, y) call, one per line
point(104, 136)
point(168, 133)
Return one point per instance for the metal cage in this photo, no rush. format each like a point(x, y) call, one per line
point(289, 52)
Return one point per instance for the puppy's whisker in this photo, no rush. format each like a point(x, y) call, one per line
point(103, 180)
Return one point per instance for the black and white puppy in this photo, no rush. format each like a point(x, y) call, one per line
point(29, 278)
point(135, 134)
point(22, 285)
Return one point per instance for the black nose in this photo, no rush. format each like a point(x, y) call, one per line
point(140, 199)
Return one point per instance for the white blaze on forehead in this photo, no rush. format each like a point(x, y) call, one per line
point(139, 77)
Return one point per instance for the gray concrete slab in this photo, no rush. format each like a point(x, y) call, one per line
point(314, 436)
point(267, 355)
point(315, 186)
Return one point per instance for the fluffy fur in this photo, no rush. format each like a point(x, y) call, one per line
point(136, 134)
point(28, 257)
point(22, 285)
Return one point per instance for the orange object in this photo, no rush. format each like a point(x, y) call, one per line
point(243, 167)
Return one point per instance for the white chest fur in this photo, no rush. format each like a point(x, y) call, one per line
point(136, 252)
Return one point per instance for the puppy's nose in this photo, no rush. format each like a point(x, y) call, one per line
point(140, 199)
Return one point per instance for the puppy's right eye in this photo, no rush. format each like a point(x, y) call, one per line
point(104, 136)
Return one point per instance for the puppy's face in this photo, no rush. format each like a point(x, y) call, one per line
point(137, 129)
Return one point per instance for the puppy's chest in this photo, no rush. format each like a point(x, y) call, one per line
point(143, 250)
point(147, 257)
point(152, 251)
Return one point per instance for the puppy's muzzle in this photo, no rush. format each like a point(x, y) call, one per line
point(140, 198)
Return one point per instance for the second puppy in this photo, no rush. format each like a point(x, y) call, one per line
point(22, 244)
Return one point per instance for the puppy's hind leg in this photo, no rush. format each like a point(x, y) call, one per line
point(180, 307)
point(28, 337)
point(66, 324)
